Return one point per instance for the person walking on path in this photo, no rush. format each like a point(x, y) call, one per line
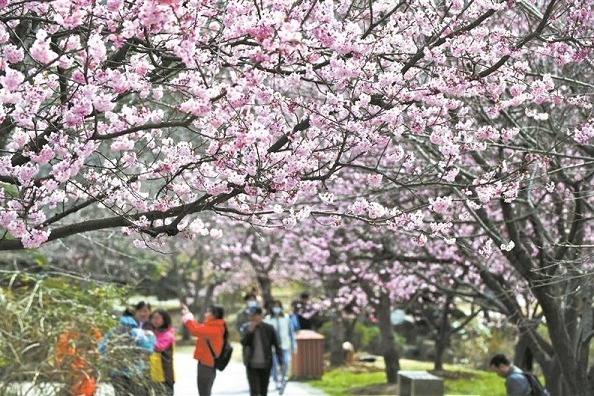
point(210, 334)
point(258, 294)
point(231, 381)
point(307, 312)
point(243, 316)
point(258, 340)
point(286, 337)
point(294, 317)
point(161, 364)
point(516, 383)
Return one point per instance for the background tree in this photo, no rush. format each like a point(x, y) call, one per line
point(262, 250)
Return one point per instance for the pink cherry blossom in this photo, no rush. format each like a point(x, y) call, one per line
point(12, 80)
point(440, 205)
point(453, 127)
point(40, 50)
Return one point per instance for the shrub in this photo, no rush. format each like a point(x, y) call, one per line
point(42, 312)
point(366, 338)
point(483, 341)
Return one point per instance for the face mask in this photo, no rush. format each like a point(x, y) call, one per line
point(276, 310)
point(252, 304)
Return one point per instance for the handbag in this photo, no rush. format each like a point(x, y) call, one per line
point(156, 373)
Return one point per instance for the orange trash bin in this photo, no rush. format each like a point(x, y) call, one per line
point(308, 362)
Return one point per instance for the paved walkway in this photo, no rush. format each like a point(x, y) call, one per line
point(230, 382)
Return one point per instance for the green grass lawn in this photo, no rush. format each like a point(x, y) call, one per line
point(369, 379)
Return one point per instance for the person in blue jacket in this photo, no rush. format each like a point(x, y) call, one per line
point(127, 348)
point(286, 338)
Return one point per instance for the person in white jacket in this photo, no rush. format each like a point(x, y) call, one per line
point(286, 336)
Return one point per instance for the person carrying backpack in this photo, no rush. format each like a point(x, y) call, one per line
point(210, 335)
point(517, 382)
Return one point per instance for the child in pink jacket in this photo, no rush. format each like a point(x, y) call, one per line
point(161, 323)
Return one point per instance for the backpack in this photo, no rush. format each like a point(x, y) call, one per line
point(221, 361)
point(535, 385)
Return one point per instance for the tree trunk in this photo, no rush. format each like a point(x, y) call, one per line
point(443, 335)
point(185, 333)
point(391, 355)
point(523, 354)
point(591, 376)
point(349, 329)
point(563, 376)
point(336, 351)
point(266, 286)
point(207, 299)
point(553, 381)
point(574, 376)
point(183, 329)
point(440, 347)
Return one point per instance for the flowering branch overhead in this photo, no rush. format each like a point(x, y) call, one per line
point(141, 115)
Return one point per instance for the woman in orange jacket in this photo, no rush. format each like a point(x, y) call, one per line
point(210, 336)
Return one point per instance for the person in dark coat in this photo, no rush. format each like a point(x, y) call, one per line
point(258, 340)
point(243, 316)
point(307, 312)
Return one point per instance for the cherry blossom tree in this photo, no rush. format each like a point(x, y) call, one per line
point(192, 273)
point(262, 249)
point(356, 280)
point(477, 114)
